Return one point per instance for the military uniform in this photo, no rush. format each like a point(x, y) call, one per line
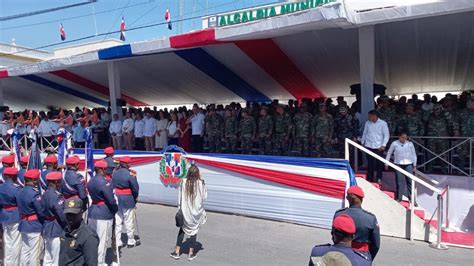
point(78, 246)
point(10, 218)
point(346, 126)
point(337, 254)
point(367, 236)
point(21, 177)
point(302, 132)
point(282, 133)
point(412, 124)
point(265, 132)
point(111, 165)
point(247, 132)
point(466, 130)
point(54, 220)
point(31, 224)
point(102, 211)
point(74, 185)
point(214, 123)
point(127, 189)
point(322, 130)
point(230, 133)
point(437, 126)
point(50, 162)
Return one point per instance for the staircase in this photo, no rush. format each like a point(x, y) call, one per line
point(393, 216)
point(388, 211)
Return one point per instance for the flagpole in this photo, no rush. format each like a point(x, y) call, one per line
point(95, 20)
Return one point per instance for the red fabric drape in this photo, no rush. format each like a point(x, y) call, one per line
point(333, 188)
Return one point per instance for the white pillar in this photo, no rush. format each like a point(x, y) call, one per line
point(367, 68)
point(114, 87)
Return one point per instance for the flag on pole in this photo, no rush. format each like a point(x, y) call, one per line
point(88, 152)
point(15, 136)
point(64, 140)
point(168, 19)
point(62, 32)
point(122, 30)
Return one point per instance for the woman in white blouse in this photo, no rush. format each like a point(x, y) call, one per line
point(404, 156)
point(192, 194)
point(172, 128)
point(161, 137)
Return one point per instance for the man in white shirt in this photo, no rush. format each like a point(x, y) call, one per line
point(138, 132)
point(427, 105)
point(149, 131)
point(375, 137)
point(127, 130)
point(46, 131)
point(404, 156)
point(197, 128)
point(115, 129)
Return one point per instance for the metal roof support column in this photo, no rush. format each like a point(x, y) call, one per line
point(367, 69)
point(115, 90)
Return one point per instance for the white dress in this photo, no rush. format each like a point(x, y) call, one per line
point(162, 140)
point(193, 212)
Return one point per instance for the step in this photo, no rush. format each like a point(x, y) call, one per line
point(361, 175)
point(405, 204)
point(391, 194)
point(420, 213)
point(377, 185)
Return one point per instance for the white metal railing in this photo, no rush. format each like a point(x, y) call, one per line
point(414, 179)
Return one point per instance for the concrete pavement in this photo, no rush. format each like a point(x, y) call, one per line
point(236, 240)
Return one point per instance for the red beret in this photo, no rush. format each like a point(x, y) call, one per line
point(8, 159)
point(344, 223)
point(73, 160)
point(101, 164)
point(357, 191)
point(10, 171)
point(109, 150)
point(51, 159)
point(53, 176)
point(125, 159)
point(32, 174)
point(24, 159)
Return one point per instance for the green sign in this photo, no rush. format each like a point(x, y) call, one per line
point(268, 11)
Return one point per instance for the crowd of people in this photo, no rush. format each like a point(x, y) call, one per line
point(312, 127)
point(54, 216)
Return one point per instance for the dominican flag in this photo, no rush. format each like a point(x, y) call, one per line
point(89, 154)
point(62, 32)
point(64, 139)
point(122, 30)
point(168, 19)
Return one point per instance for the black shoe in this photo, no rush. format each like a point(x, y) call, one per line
point(192, 257)
point(174, 255)
point(135, 245)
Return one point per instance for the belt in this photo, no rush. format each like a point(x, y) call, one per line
point(98, 202)
point(123, 191)
point(75, 196)
point(360, 246)
point(29, 217)
point(9, 207)
point(50, 218)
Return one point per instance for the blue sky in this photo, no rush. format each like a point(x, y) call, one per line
point(40, 30)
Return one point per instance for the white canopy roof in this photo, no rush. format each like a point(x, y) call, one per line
point(426, 46)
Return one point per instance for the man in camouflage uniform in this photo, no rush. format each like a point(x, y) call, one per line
point(386, 113)
point(282, 131)
point(302, 131)
point(346, 126)
point(322, 130)
point(265, 131)
point(411, 122)
point(247, 131)
point(466, 130)
point(230, 131)
point(214, 123)
point(438, 126)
